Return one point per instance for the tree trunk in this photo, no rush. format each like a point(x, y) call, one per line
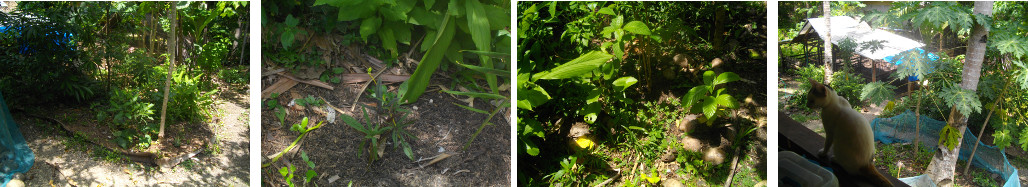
point(944, 162)
point(828, 42)
point(173, 18)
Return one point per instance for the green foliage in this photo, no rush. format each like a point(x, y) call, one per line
point(188, 101)
point(126, 107)
point(290, 31)
point(310, 171)
point(39, 49)
point(949, 136)
point(310, 100)
point(877, 92)
point(966, 101)
point(371, 129)
point(287, 174)
point(705, 99)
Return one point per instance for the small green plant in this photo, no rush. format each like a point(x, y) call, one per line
point(287, 174)
point(395, 117)
point(705, 99)
point(310, 100)
point(310, 172)
point(371, 130)
point(332, 76)
point(301, 127)
point(568, 173)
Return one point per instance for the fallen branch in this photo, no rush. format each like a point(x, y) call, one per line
point(438, 158)
point(310, 82)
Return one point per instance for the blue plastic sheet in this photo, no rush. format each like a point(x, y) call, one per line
point(901, 128)
point(15, 155)
point(900, 58)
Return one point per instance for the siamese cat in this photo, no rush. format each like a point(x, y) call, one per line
point(848, 138)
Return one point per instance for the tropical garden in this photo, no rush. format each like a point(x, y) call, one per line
point(129, 93)
point(385, 93)
point(641, 93)
point(968, 74)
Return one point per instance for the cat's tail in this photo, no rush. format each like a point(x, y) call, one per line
point(874, 176)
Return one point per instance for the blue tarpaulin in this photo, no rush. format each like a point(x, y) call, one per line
point(15, 155)
point(900, 58)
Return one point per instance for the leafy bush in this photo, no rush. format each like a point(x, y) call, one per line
point(39, 50)
point(188, 101)
point(846, 84)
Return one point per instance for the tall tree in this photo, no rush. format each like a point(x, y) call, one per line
point(828, 41)
point(944, 162)
point(173, 18)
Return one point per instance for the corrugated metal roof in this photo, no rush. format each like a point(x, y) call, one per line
point(844, 27)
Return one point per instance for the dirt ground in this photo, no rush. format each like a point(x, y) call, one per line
point(61, 162)
point(440, 127)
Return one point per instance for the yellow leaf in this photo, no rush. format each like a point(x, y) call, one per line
point(585, 143)
point(653, 180)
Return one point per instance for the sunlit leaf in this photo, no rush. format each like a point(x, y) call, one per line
point(578, 66)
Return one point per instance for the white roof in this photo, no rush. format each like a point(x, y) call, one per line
point(846, 27)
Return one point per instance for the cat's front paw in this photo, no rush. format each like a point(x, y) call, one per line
point(822, 155)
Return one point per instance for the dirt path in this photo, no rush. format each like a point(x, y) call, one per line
point(60, 163)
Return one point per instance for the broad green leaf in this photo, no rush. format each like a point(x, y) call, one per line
point(310, 175)
point(478, 26)
point(476, 94)
point(725, 77)
point(618, 22)
point(530, 147)
point(590, 118)
point(553, 9)
point(499, 17)
point(637, 27)
point(530, 98)
point(708, 78)
point(359, 9)
point(709, 107)
point(388, 40)
point(531, 127)
point(694, 95)
point(624, 82)
point(590, 112)
point(369, 26)
point(607, 11)
point(594, 96)
point(423, 17)
point(578, 66)
point(726, 101)
point(429, 62)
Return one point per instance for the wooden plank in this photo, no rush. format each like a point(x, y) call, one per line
point(280, 86)
point(797, 138)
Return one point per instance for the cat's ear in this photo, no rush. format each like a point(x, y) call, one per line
point(817, 88)
point(814, 83)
